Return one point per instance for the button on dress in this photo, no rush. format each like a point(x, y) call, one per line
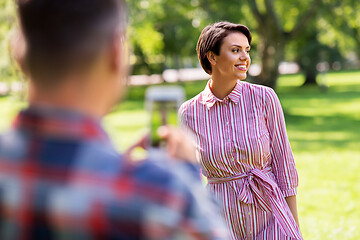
point(245, 154)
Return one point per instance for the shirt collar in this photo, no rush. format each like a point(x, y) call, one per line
point(59, 122)
point(209, 99)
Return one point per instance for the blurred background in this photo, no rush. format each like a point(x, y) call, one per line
point(308, 51)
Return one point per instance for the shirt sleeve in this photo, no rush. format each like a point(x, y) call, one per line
point(182, 208)
point(202, 215)
point(283, 164)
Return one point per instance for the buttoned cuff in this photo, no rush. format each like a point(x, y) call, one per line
point(290, 192)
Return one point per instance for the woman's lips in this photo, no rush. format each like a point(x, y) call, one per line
point(241, 67)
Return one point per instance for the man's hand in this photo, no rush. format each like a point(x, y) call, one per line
point(178, 144)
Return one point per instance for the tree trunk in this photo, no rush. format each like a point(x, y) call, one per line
point(310, 77)
point(358, 50)
point(356, 34)
point(271, 50)
point(273, 38)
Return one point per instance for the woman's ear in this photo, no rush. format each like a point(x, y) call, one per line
point(211, 57)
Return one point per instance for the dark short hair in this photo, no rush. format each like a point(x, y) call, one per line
point(66, 35)
point(211, 39)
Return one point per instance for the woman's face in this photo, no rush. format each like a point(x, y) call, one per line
point(233, 60)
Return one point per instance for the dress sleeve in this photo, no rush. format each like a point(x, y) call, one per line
point(185, 125)
point(283, 164)
point(184, 120)
point(182, 116)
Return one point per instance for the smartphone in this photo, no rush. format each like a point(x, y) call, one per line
point(162, 104)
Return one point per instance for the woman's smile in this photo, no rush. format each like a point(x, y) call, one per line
point(241, 66)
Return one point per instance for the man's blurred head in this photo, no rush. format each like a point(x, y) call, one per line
point(67, 36)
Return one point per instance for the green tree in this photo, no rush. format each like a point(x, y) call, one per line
point(341, 26)
point(145, 40)
point(277, 24)
point(334, 34)
point(314, 57)
point(163, 32)
point(8, 71)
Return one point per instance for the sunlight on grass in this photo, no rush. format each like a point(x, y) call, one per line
point(290, 80)
point(9, 106)
point(335, 136)
point(328, 194)
point(342, 78)
point(323, 107)
point(126, 127)
point(323, 129)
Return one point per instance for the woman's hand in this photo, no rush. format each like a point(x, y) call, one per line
point(291, 201)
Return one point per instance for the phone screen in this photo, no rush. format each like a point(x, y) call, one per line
point(163, 113)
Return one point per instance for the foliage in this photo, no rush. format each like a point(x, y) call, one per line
point(163, 33)
point(282, 30)
point(341, 27)
point(7, 23)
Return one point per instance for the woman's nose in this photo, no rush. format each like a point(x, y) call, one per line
point(244, 55)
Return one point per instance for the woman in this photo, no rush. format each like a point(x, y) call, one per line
point(241, 139)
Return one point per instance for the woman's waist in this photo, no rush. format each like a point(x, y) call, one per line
point(228, 176)
point(220, 168)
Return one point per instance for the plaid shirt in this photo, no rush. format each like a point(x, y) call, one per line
point(61, 178)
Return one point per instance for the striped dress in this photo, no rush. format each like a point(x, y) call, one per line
point(246, 156)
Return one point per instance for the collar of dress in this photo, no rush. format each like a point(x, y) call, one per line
point(209, 99)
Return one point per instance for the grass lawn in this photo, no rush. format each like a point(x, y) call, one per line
point(324, 131)
point(323, 128)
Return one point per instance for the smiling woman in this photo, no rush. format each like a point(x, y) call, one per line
point(231, 64)
point(242, 144)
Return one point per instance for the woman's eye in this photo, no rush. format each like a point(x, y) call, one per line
point(235, 50)
point(248, 51)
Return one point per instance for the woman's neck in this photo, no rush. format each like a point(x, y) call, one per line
point(221, 87)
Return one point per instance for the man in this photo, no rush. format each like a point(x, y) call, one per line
point(60, 176)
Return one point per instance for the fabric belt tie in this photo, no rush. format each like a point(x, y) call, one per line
point(259, 189)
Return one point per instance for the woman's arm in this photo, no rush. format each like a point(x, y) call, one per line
point(282, 159)
point(291, 201)
point(283, 164)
